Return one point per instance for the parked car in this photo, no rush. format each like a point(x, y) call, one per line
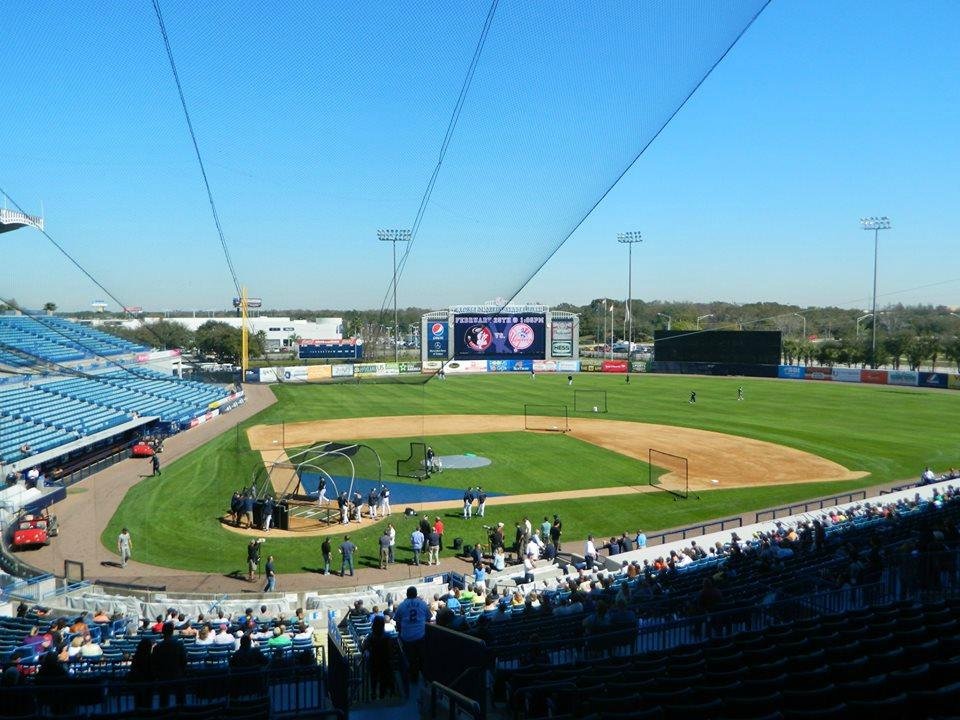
point(34, 530)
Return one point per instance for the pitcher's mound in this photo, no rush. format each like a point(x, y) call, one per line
point(463, 462)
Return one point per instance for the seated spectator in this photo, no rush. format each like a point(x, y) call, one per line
point(73, 650)
point(223, 636)
point(80, 625)
point(280, 639)
point(26, 449)
point(204, 636)
point(499, 559)
point(304, 631)
point(90, 650)
point(453, 602)
point(247, 656)
point(157, 626)
point(100, 616)
point(479, 574)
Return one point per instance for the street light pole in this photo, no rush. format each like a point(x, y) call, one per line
point(669, 320)
point(862, 317)
point(628, 239)
point(876, 224)
point(611, 331)
point(703, 317)
point(804, 318)
point(395, 236)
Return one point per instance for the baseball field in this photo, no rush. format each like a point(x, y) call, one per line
point(785, 442)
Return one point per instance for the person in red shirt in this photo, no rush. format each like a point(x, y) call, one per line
point(438, 528)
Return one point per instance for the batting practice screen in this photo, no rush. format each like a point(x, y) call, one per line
point(674, 478)
point(590, 401)
point(753, 347)
point(550, 418)
point(499, 337)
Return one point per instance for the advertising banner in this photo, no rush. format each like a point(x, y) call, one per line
point(268, 375)
point(465, 366)
point(614, 366)
point(568, 366)
point(367, 369)
point(342, 370)
point(874, 377)
point(509, 365)
point(933, 380)
point(437, 333)
point(902, 377)
point(389, 369)
point(638, 366)
point(499, 337)
point(408, 367)
point(561, 337)
point(343, 349)
point(953, 381)
point(846, 374)
point(818, 373)
point(295, 374)
point(791, 372)
point(545, 365)
point(318, 373)
point(432, 365)
point(590, 365)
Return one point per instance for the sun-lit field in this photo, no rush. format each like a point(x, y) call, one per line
point(888, 432)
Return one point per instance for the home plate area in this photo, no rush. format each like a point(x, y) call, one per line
point(466, 461)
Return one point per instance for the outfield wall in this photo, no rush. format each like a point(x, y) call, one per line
point(903, 378)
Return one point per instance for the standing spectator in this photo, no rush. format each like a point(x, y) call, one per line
point(325, 552)
point(347, 549)
point(169, 661)
point(496, 538)
point(626, 544)
point(376, 649)
point(528, 566)
point(267, 513)
point(545, 529)
point(253, 559)
point(416, 543)
point(556, 531)
point(433, 545)
point(271, 573)
point(141, 673)
point(384, 543)
point(590, 552)
point(392, 532)
point(124, 546)
point(412, 615)
point(481, 501)
point(155, 464)
point(425, 526)
point(641, 540)
point(438, 526)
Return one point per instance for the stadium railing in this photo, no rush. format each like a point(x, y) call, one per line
point(694, 530)
point(805, 507)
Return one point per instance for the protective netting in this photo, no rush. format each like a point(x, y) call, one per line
point(320, 123)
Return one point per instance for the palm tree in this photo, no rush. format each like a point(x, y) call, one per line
point(50, 308)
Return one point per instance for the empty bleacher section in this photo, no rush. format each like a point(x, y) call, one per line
point(57, 340)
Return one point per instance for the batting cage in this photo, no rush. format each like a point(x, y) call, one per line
point(416, 465)
point(590, 401)
point(549, 418)
point(669, 472)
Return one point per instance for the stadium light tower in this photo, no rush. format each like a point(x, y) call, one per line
point(703, 317)
point(876, 224)
point(395, 236)
point(628, 239)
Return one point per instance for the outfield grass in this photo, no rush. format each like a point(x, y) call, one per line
point(889, 432)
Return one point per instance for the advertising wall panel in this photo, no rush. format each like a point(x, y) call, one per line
point(791, 372)
point(902, 377)
point(437, 333)
point(341, 371)
point(818, 373)
point(409, 367)
point(316, 373)
point(953, 381)
point(638, 366)
point(499, 337)
point(432, 365)
point(268, 375)
point(466, 366)
point(614, 366)
point(509, 365)
point(590, 365)
point(561, 337)
point(874, 377)
point(568, 366)
point(846, 374)
point(933, 380)
point(295, 374)
point(545, 365)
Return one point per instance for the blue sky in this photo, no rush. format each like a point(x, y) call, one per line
point(320, 125)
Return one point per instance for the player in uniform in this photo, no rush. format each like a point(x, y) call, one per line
point(740, 393)
point(693, 397)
